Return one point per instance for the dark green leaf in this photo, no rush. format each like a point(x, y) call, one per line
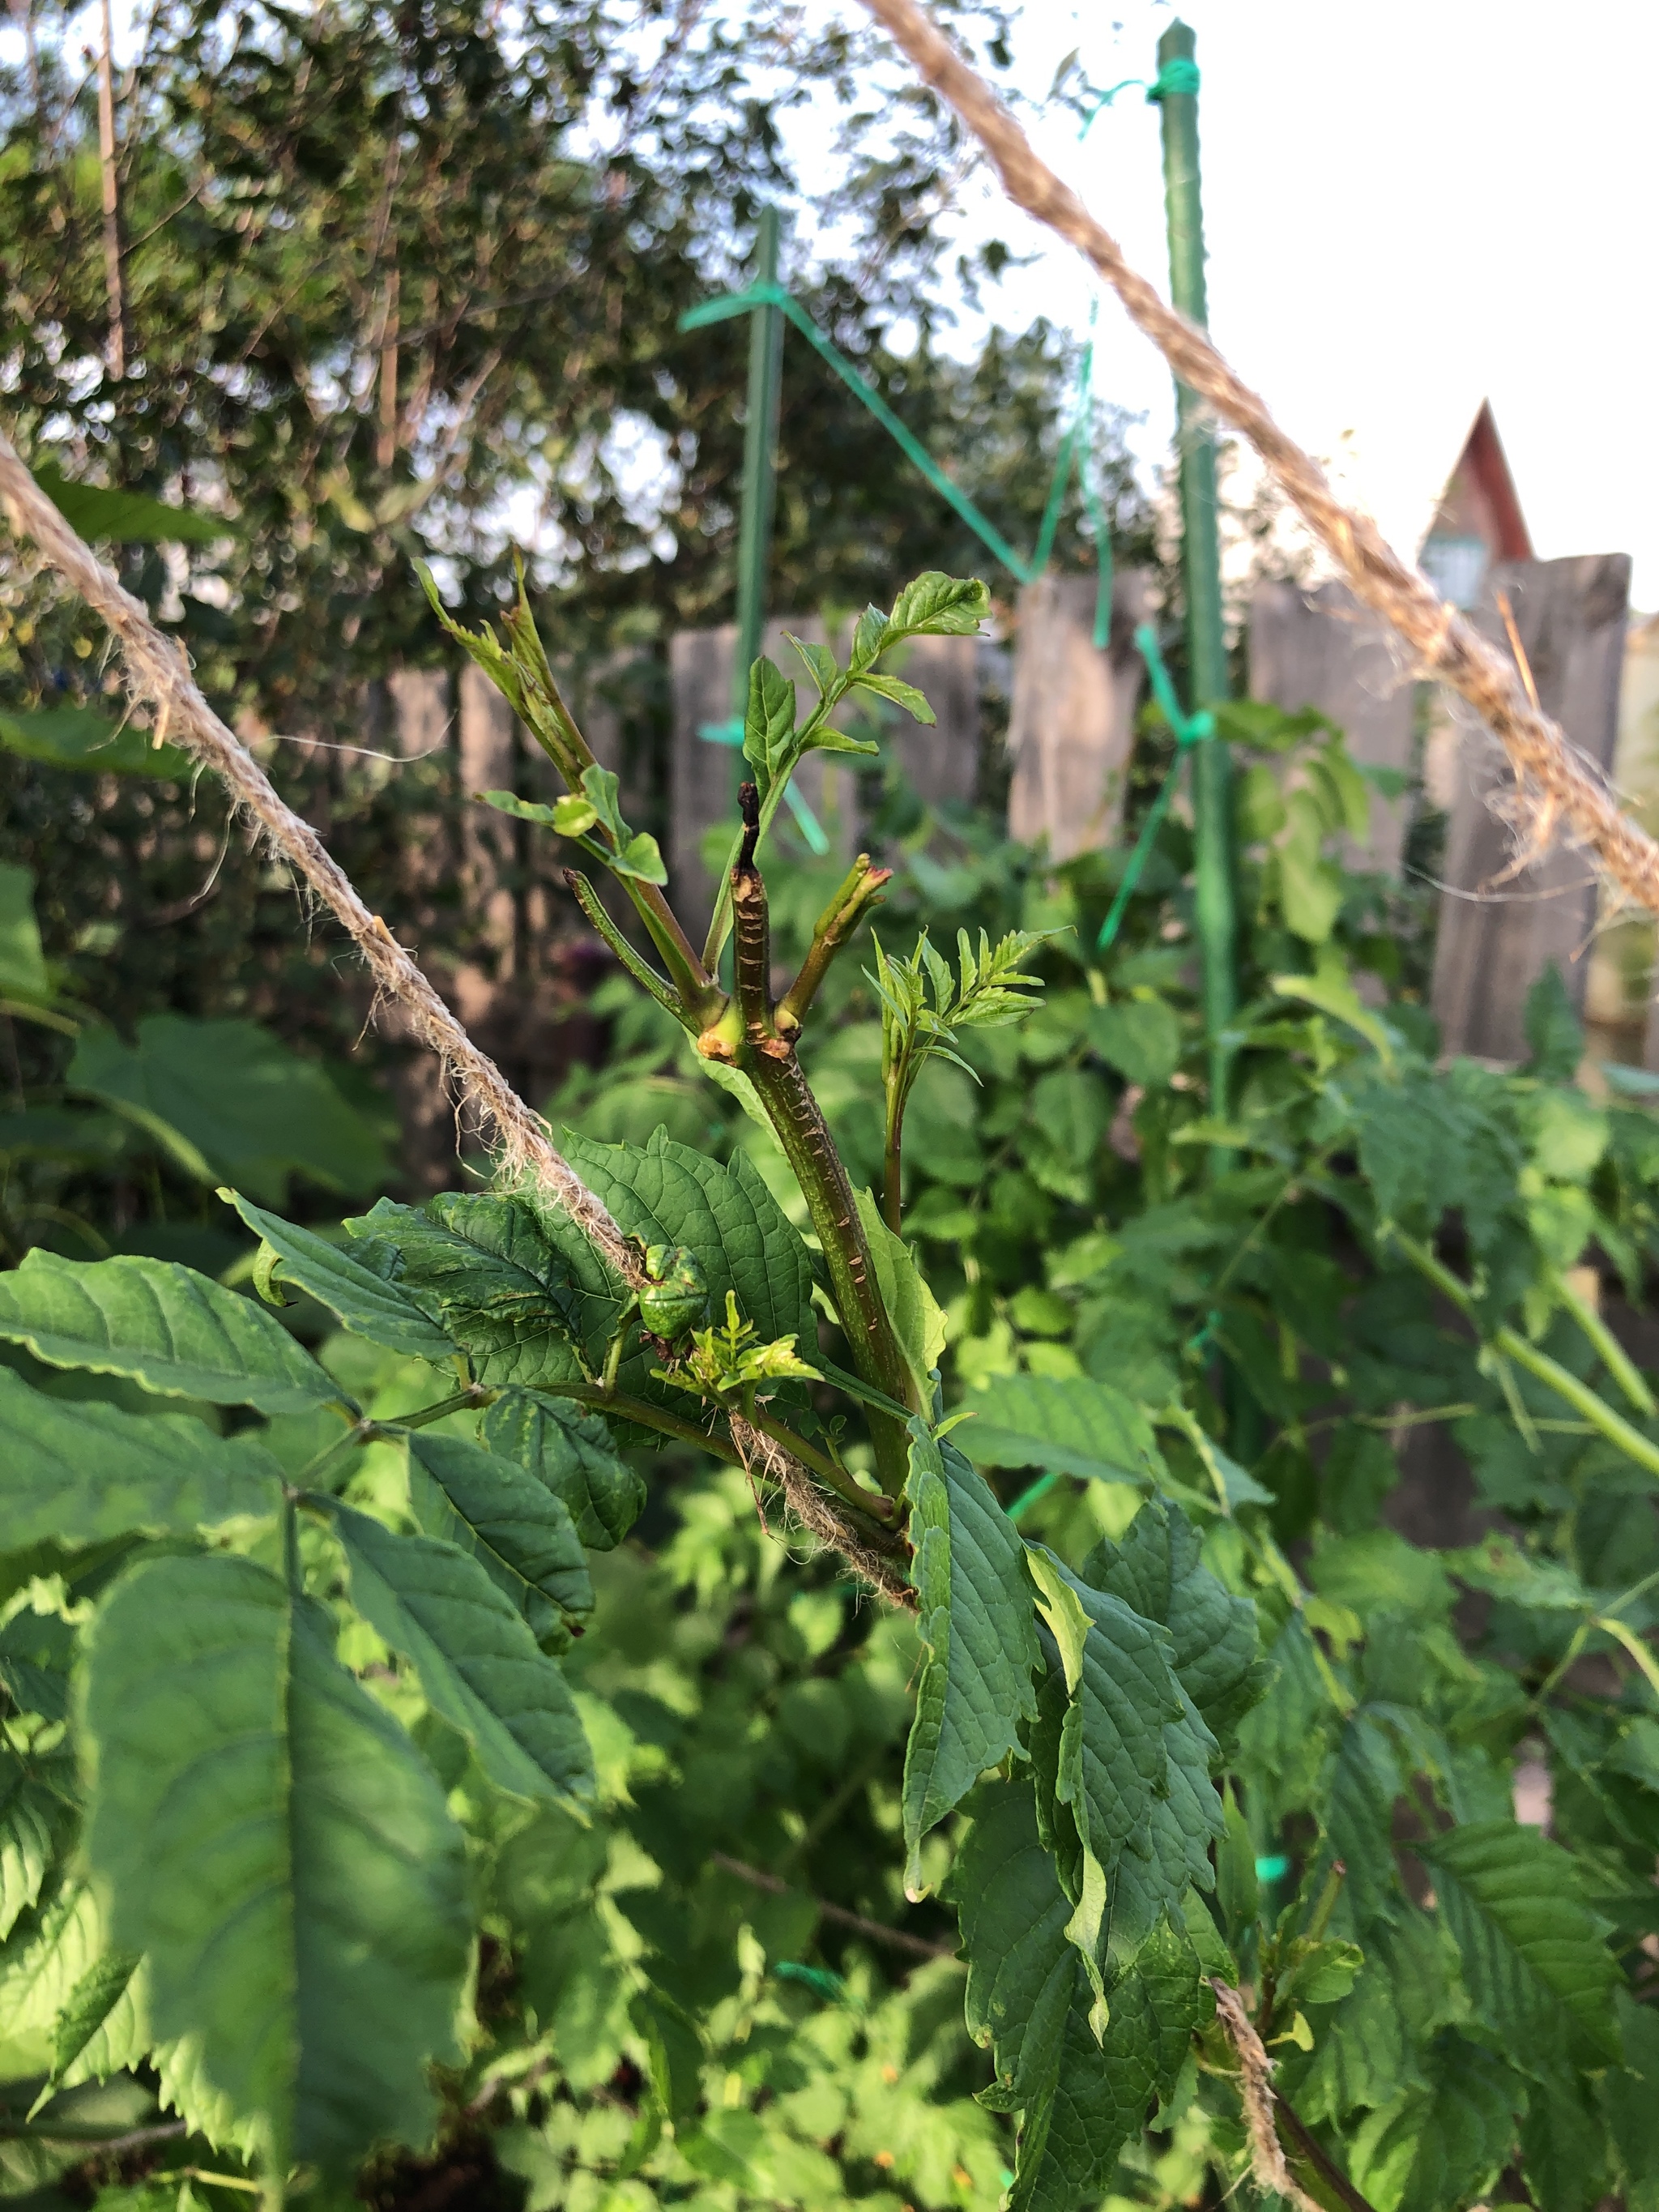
point(36, 1652)
point(82, 737)
point(279, 1852)
point(938, 606)
point(900, 694)
point(1139, 1037)
point(358, 1297)
point(1534, 1954)
point(91, 2002)
point(230, 1103)
point(31, 1819)
point(1553, 1029)
point(570, 1449)
point(977, 1633)
point(1443, 2146)
point(22, 963)
point(126, 518)
point(478, 1663)
point(519, 1530)
point(171, 1330)
point(769, 722)
point(1070, 1426)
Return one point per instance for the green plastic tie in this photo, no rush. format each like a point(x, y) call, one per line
point(819, 1979)
point(1178, 79)
point(1189, 731)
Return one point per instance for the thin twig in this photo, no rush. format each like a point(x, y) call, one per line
point(1553, 776)
point(894, 1938)
point(158, 672)
point(762, 1456)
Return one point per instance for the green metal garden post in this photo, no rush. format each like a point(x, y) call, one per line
point(1206, 648)
point(760, 466)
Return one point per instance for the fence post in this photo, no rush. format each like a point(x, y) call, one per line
point(1070, 730)
point(1214, 901)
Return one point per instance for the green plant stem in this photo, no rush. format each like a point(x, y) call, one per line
point(859, 890)
point(646, 1416)
point(1513, 1345)
point(643, 974)
point(1308, 2153)
point(795, 1115)
point(1607, 1348)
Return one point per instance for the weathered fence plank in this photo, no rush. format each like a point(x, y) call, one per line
point(1071, 729)
point(1323, 649)
point(489, 757)
point(939, 762)
point(1570, 618)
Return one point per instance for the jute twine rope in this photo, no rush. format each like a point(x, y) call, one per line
point(1557, 783)
point(158, 674)
point(763, 1456)
point(1255, 2088)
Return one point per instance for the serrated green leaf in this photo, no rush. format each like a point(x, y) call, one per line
point(769, 722)
point(1022, 1970)
point(667, 1194)
point(900, 694)
point(1156, 1569)
point(1104, 2090)
point(171, 1330)
point(37, 1650)
point(569, 1450)
point(229, 1103)
point(675, 2051)
point(87, 2014)
point(1444, 2145)
point(82, 737)
point(1360, 1785)
point(359, 1299)
point(519, 1530)
point(76, 1472)
point(938, 606)
point(512, 1285)
point(1533, 1955)
point(1139, 1037)
point(1070, 1426)
point(918, 1321)
point(272, 1843)
point(32, 1819)
point(977, 1633)
point(48, 1953)
point(1130, 1764)
point(478, 1663)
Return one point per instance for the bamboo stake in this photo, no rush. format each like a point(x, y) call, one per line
point(116, 353)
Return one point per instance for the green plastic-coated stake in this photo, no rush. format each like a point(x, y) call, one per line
point(760, 467)
point(1176, 92)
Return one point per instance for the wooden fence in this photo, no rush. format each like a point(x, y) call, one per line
point(1070, 740)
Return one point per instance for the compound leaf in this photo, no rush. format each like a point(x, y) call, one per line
point(273, 1843)
point(166, 1327)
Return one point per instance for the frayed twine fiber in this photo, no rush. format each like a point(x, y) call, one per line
point(159, 675)
point(1556, 782)
point(1255, 2089)
point(763, 1456)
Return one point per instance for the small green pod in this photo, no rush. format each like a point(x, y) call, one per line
point(675, 1295)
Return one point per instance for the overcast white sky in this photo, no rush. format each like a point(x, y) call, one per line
point(1409, 204)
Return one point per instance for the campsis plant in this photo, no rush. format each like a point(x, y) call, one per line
point(1162, 1773)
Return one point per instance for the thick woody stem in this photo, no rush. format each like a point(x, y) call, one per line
point(752, 929)
point(859, 889)
point(1555, 779)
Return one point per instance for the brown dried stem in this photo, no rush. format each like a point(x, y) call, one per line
point(1554, 778)
point(763, 1458)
